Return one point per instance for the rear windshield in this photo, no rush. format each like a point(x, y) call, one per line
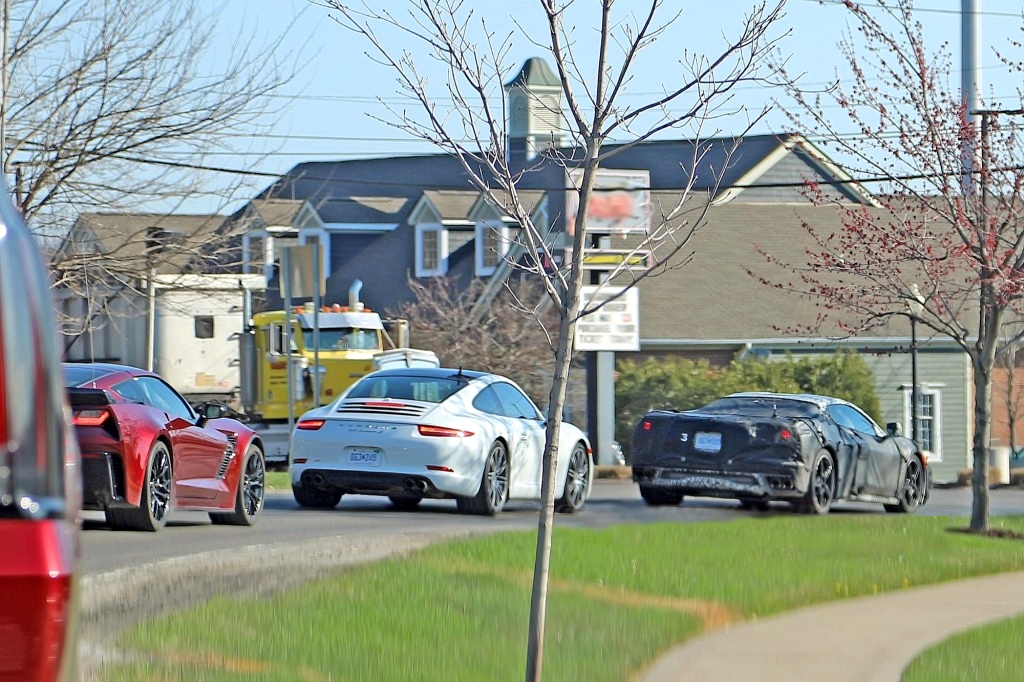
point(406, 387)
point(78, 375)
point(762, 407)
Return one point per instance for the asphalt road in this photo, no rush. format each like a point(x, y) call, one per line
point(359, 517)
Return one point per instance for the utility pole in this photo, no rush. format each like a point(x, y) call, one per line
point(6, 39)
point(970, 82)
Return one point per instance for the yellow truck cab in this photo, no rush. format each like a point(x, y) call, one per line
point(344, 342)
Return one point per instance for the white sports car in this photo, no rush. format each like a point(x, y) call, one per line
point(414, 433)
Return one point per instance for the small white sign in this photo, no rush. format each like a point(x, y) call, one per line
point(615, 326)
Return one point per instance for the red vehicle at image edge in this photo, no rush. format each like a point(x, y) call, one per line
point(39, 474)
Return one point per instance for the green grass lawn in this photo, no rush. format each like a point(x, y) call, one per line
point(279, 481)
point(618, 598)
point(987, 654)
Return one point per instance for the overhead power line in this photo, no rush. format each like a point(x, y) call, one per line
point(386, 183)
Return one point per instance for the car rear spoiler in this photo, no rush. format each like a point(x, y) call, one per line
point(88, 397)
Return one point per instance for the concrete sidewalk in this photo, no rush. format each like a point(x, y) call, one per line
point(866, 639)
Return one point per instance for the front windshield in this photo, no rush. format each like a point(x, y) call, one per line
point(344, 338)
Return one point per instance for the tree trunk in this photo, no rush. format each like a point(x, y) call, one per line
point(983, 360)
point(542, 561)
point(563, 359)
point(982, 434)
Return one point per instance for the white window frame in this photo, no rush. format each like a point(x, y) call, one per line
point(268, 252)
point(935, 392)
point(270, 247)
point(503, 236)
point(324, 239)
point(442, 250)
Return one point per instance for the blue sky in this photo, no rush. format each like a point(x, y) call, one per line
point(328, 114)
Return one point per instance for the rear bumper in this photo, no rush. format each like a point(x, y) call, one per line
point(777, 485)
point(103, 482)
point(381, 483)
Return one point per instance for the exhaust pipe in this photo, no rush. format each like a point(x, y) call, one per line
point(417, 485)
point(318, 479)
point(354, 304)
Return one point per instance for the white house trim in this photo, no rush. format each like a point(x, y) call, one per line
point(423, 265)
point(494, 250)
point(778, 154)
point(933, 392)
point(361, 227)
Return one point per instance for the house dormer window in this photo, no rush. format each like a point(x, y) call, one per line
point(492, 242)
point(431, 250)
point(257, 253)
point(262, 250)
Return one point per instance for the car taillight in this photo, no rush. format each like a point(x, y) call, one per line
point(442, 431)
point(785, 434)
point(36, 569)
point(310, 424)
point(647, 425)
point(90, 417)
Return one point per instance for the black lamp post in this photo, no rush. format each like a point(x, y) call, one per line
point(916, 305)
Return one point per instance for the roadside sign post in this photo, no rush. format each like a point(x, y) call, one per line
point(620, 205)
point(613, 327)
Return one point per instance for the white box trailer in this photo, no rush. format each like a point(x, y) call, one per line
point(196, 320)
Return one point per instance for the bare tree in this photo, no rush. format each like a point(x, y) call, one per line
point(442, 317)
point(110, 104)
point(596, 84)
point(954, 239)
point(113, 106)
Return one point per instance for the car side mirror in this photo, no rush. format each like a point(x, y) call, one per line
point(894, 429)
point(210, 411)
point(214, 410)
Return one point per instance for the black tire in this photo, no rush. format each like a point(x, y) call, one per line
point(155, 500)
point(249, 496)
point(821, 489)
point(405, 503)
point(577, 481)
point(312, 498)
point(913, 489)
point(493, 493)
point(658, 497)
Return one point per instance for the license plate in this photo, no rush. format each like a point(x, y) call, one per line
point(707, 441)
point(365, 457)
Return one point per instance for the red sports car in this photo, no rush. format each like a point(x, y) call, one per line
point(146, 451)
